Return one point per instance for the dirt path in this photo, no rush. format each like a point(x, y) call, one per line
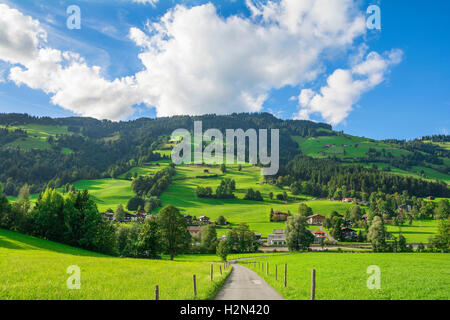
point(244, 284)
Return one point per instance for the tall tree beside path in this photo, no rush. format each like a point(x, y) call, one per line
point(173, 227)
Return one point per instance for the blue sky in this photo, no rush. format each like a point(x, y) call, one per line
point(412, 100)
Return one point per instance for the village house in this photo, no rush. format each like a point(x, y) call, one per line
point(258, 237)
point(363, 203)
point(189, 220)
point(348, 234)
point(194, 230)
point(204, 220)
point(319, 236)
point(108, 215)
point(277, 238)
point(315, 219)
point(430, 198)
point(130, 217)
point(405, 207)
point(279, 216)
point(348, 200)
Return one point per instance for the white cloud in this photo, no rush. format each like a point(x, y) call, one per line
point(65, 76)
point(197, 62)
point(345, 87)
point(19, 36)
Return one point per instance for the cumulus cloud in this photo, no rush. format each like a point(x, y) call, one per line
point(65, 76)
point(19, 36)
point(345, 87)
point(197, 62)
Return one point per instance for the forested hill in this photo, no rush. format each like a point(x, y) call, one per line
point(46, 151)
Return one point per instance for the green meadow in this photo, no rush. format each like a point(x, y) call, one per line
point(343, 276)
point(36, 269)
point(37, 136)
point(353, 146)
point(107, 193)
point(347, 147)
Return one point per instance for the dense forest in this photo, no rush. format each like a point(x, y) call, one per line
point(325, 177)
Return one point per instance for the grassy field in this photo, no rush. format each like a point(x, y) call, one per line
point(181, 194)
point(107, 193)
point(419, 231)
point(347, 147)
point(321, 147)
point(36, 269)
point(37, 136)
point(343, 276)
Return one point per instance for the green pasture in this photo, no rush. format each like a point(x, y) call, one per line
point(353, 146)
point(344, 276)
point(107, 193)
point(37, 136)
point(35, 269)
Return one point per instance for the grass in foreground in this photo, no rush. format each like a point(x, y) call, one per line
point(35, 269)
point(343, 276)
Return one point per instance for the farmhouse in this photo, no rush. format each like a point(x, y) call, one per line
point(108, 215)
point(277, 238)
point(279, 216)
point(348, 200)
point(430, 198)
point(315, 219)
point(319, 235)
point(204, 220)
point(189, 219)
point(194, 230)
point(405, 207)
point(130, 217)
point(348, 234)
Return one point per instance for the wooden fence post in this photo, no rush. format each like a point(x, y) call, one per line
point(285, 275)
point(313, 284)
point(195, 286)
point(212, 270)
point(276, 267)
point(267, 268)
point(220, 267)
point(156, 292)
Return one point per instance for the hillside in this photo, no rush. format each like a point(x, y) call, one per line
point(392, 156)
point(71, 149)
point(316, 163)
point(36, 269)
